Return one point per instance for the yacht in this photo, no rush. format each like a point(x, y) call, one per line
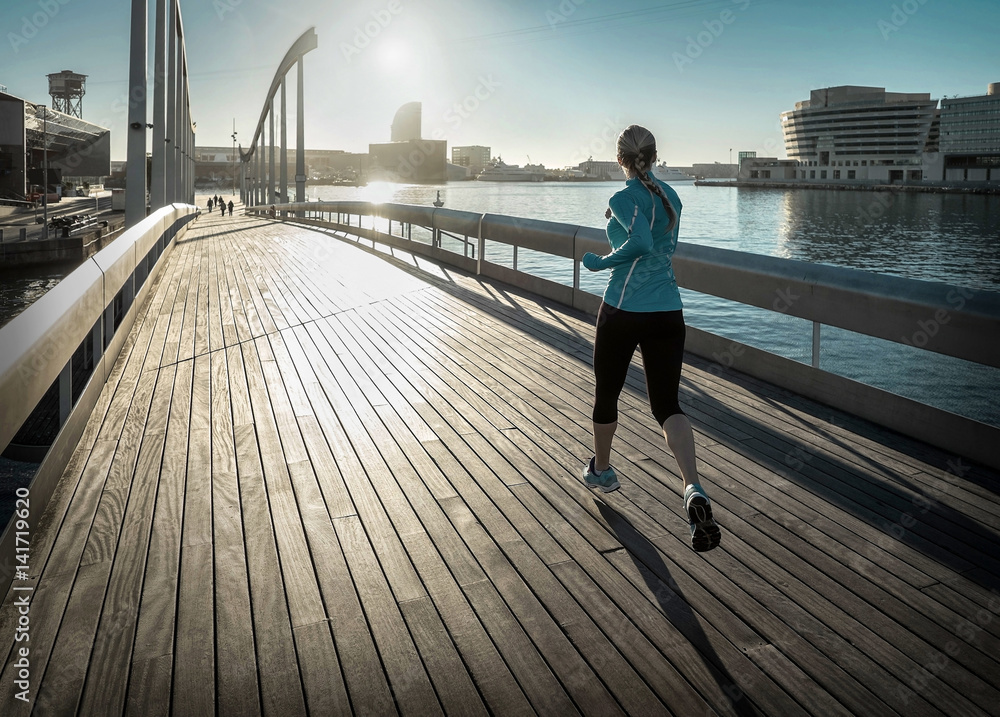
point(498, 171)
point(670, 175)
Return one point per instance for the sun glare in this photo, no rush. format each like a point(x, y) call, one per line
point(392, 55)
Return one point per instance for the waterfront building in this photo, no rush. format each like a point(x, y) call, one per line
point(474, 157)
point(715, 170)
point(863, 134)
point(970, 137)
point(78, 151)
point(598, 169)
point(408, 157)
point(215, 165)
point(767, 168)
point(406, 124)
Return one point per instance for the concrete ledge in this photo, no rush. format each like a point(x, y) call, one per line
point(966, 437)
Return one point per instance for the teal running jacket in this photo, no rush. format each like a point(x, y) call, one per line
point(643, 237)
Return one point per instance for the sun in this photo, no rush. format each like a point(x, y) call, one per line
point(393, 54)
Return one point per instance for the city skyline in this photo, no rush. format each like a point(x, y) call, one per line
point(551, 81)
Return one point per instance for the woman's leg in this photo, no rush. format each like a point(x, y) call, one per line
point(613, 349)
point(662, 349)
point(680, 438)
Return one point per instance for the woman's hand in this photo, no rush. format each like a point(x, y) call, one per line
point(592, 261)
point(607, 214)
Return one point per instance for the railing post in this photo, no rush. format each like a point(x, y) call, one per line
point(815, 344)
point(98, 348)
point(65, 392)
point(482, 246)
point(576, 264)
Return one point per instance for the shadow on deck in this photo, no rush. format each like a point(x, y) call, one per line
point(324, 481)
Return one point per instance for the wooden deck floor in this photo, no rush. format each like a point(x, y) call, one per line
point(321, 481)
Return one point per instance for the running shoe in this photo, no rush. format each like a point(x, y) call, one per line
point(606, 480)
point(705, 533)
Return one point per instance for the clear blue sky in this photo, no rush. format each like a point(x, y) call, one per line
point(555, 80)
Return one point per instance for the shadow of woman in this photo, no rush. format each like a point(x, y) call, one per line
point(675, 608)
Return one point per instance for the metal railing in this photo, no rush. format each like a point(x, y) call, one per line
point(950, 320)
point(67, 342)
point(37, 346)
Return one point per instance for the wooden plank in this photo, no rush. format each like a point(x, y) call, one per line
point(450, 677)
point(107, 678)
point(321, 679)
point(104, 535)
point(149, 687)
point(543, 690)
point(277, 666)
point(499, 689)
point(407, 676)
point(301, 590)
point(61, 686)
point(194, 668)
point(237, 689)
point(155, 628)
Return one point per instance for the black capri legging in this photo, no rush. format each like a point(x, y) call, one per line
point(660, 337)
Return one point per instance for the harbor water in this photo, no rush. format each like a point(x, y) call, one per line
point(948, 238)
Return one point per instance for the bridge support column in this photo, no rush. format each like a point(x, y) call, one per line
point(135, 172)
point(157, 190)
point(270, 155)
point(170, 145)
point(300, 140)
point(283, 139)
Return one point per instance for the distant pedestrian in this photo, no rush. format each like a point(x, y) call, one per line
point(210, 205)
point(642, 307)
point(230, 207)
point(273, 212)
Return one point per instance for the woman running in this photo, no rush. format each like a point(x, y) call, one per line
point(642, 307)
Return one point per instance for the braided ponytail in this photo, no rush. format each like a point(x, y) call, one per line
point(636, 154)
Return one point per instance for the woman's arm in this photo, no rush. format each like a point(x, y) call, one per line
point(640, 239)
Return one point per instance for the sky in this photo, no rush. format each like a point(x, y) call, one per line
point(553, 81)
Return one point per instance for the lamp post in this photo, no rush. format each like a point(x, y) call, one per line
point(730, 159)
point(45, 170)
point(233, 171)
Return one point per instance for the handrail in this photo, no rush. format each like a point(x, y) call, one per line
point(37, 345)
point(944, 318)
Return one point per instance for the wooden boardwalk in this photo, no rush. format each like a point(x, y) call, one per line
point(321, 481)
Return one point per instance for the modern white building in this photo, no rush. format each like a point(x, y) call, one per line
point(863, 134)
point(970, 137)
